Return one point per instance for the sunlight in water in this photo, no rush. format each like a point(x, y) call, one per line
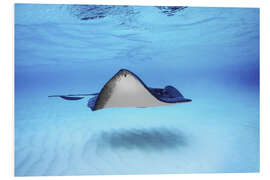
point(211, 55)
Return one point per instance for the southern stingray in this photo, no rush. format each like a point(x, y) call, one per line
point(126, 89)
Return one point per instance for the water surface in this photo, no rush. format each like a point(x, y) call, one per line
point(210, 54)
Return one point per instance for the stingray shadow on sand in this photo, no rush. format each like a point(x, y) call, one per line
point(154, 139)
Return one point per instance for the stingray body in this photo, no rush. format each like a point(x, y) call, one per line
point(125, 89)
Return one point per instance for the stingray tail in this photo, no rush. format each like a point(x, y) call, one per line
point(74, 96)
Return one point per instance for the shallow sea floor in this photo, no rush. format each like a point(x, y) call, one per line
point(211, 55)
point(57, 137)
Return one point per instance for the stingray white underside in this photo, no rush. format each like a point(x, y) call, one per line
point(130, 92)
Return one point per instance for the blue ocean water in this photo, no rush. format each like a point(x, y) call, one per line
point(210, 54)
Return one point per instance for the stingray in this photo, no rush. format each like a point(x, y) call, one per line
point(126, 89)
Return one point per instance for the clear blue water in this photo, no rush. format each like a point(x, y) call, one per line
point(210, 54)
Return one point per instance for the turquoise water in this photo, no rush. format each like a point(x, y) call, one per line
point(210, 55)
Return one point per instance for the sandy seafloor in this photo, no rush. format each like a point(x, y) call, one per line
point(210, 54)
